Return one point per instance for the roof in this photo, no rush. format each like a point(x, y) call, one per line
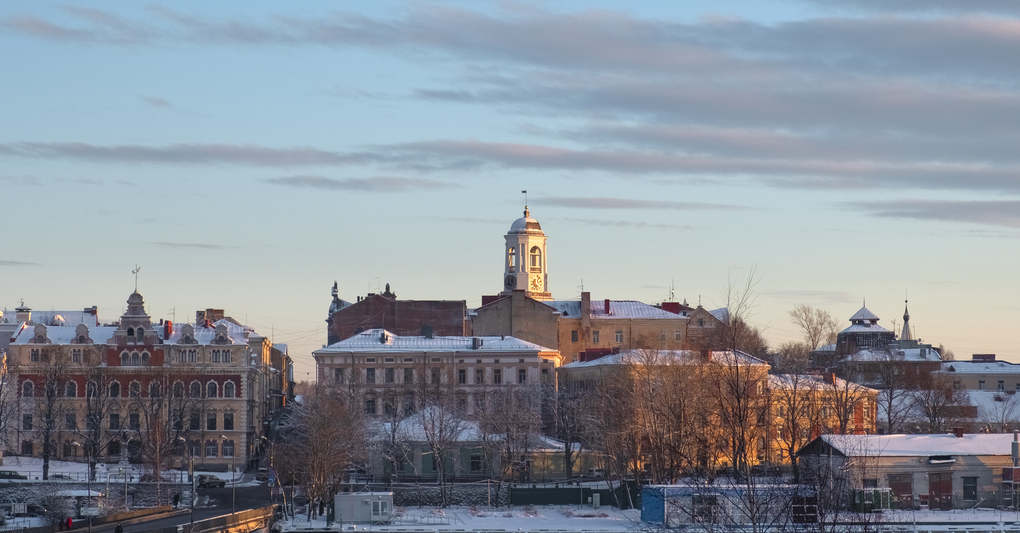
point(863, 314)
point(919, 445)
point(895, 354)
point(526, 225)
point(722, 314)
point(617, 309)
point(54, 318)
point(807, 381)
point(865, 328)
point(64, 334)
point(380, 340)
point(204, 335)
point(412, 429)
point(666, 357)
point(968, 367)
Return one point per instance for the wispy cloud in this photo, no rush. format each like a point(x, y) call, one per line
point(194, 245)
point(626, 203)
point(156, 101)
point(610, 223)
point(1005, 213)
point(244, 154)
point(16, 263)
point(375, 184)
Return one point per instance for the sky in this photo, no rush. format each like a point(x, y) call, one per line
point(246, 155)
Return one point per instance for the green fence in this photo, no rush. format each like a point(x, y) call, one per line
point(575, 496)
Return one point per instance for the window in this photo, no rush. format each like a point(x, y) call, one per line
point(26, 422)
point(195, 448)
point(182, 356)
point(573, 336)
point(678, 335)
point(434, 376)
point(26, 447)
point(461, 376)
point(113, 449)
point(226, 358)
point(408, 404)
point(369, 375)
point(76, 355)
point(194, 423)
point(125, 359)
point(178, 389)
point(192, 356)
point(136, 359)
point(178, 418)
point(476, 463)
point(536, 259)
point(409, 359)
point(497, 376)
point(479, 376)
point(390, 378)
point(228, 421)
point(228, 448)
point(35, 356)
point(871, 483)
point(1001, 386)
point(135, 389)
point(545, 375)
point(114, 421)
point(134, 422)
point(370, 406)
point(27, 389)
point(970, 489)
point(619, 336)
point(210, 421)
point(211, 389)
point(338, 375)
point(71, 389)
point(408, 375)
point(701, 322)
point(210, 448)
point(196, 389)
point(155, 391)
point(662, 336)
point(595, 336)
point(228, 389)
point(70, 421)
point(522, 375)
point(511, 259)
point(705, 509)
point(981, 385)
point(215, 356)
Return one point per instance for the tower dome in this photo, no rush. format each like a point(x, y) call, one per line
point(526, 260)
point(525, 225)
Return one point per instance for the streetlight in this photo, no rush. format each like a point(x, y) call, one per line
point(191, 479)
point(233, 484)
point(88, 482)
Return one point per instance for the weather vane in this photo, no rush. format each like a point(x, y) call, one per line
point(135, 272)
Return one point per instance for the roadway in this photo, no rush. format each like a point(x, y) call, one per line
point(219, 505)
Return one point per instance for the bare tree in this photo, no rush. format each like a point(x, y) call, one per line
point(509, 422)
point(894, 394)
point(97, 408)
point(1002, 414)
point(162, 406)
point(845, 399)
point(796, 405)
point(442, 428)
point(939, 401)
point(50, 405)
point(615, 434)
point(818, 326)
point(8, 398)
point(742, 408)
point(571, 427)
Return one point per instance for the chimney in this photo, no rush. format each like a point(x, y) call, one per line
point(22, 313)
point(830, 378)
point(607, 306)
point(168, 330)
point(476, 343)
point(958, 431)
point(672, 307)
point(983, 358)
point(585, 305)
point(706, 354)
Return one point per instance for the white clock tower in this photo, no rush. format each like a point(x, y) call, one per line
point(525, 260)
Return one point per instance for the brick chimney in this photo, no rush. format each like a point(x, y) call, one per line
point(983, 358)
point(706, 355)
point(607, 306)
point(830, 378)
point(958, 431)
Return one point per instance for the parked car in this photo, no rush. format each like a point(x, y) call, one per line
point(262, 474)
point(210, 481)
point(11, 474)
point(596, 473)
point(63, 477)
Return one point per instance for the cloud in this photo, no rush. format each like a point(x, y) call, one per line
point(16, 263)
point(156, 101)
point(1004, 213)
point(811, 297)
point(20, 180)
point(243, 154)
point(200, 246)
point(609, 223)
point(376, 184)
point(625, 203)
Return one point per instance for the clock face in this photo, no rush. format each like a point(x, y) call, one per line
point(511, 282)
point(536, 282)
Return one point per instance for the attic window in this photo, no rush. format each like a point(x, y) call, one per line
point(940, 459)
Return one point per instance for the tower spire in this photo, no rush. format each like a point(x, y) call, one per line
point(905, 335)
point(526, 213)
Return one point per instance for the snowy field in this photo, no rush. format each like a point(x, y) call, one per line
point(539, 518)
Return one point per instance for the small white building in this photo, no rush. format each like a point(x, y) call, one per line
point(364, 507)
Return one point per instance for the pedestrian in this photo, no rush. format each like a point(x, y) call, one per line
point(120, 529)
point(177, 499)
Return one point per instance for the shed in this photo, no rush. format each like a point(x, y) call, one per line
point(725, 504)
point(364, 507)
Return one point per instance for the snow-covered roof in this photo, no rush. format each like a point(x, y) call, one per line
point(895, 354)
point(807, 381)
point(380, 340)
point(865, 328)
point(969, 367)
point(617, 309)
point(412, 429)
point(526, 225)
point(205, 335)
point(667, 357)
point(723, 314)
point(826, 348)
point(920, 445)
point(64, 334)
point(53, 318)
point(863, 314)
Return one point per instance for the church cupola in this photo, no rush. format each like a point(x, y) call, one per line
point(905, 335)
point(526, 260)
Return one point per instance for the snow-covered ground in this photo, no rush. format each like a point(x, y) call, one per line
point(519, 518)
point(32, 467)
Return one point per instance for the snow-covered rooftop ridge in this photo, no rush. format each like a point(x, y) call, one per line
point(921, 445)
point(723, 314)
point(863, 314)
point(53, 318)
point(808, 381)
point(668, 357)
point(380, 340)
point(64, 334)
point(206, 335)
point(897, 354)
point(617, 309)
point(970, 367)
point(865, 328)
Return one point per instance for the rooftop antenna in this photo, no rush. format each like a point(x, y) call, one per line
point(173, 313)
point(582, 285)
point(525, 193)
point(672, 286)
point(135, 272)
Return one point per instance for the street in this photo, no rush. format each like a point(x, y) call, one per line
point(246, 498)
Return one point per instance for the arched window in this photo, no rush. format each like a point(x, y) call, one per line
point(536, 259)
point(115, 390)
point(71, 389)
point(511, 259)
point(131, 332)
point(27, 389)
point(135, 389)
point(136, 360)
point(196, 389)
point(81, 339)
point(154, 389)
point(125, 359)
point(210, 391)
point(145, 358)
point(178, 389)
point(140, 334)
point(228, 389)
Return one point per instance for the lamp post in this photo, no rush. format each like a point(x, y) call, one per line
point(233, 483)
point(88, 482)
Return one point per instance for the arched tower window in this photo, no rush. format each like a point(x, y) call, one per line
point(211, 389)
point(178, 389)
point(136, 359)
point(131, 332)
point(154, 389)
point(115, 390)
point(536, 259)
point(125, 359)
point(196, 389)
point(140, 334)
point(27, 389)
point(71, 389)
point(228, 389)
point(145, 358)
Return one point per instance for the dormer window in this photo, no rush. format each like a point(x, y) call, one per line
point(140, 334)
point(536, 259)
point(130, 332)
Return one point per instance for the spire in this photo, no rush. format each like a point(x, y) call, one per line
point(527, 213)
point(905, 336)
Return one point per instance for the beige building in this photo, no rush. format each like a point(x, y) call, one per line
point(391, 372)
point(983, 373)
point(140, 383)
